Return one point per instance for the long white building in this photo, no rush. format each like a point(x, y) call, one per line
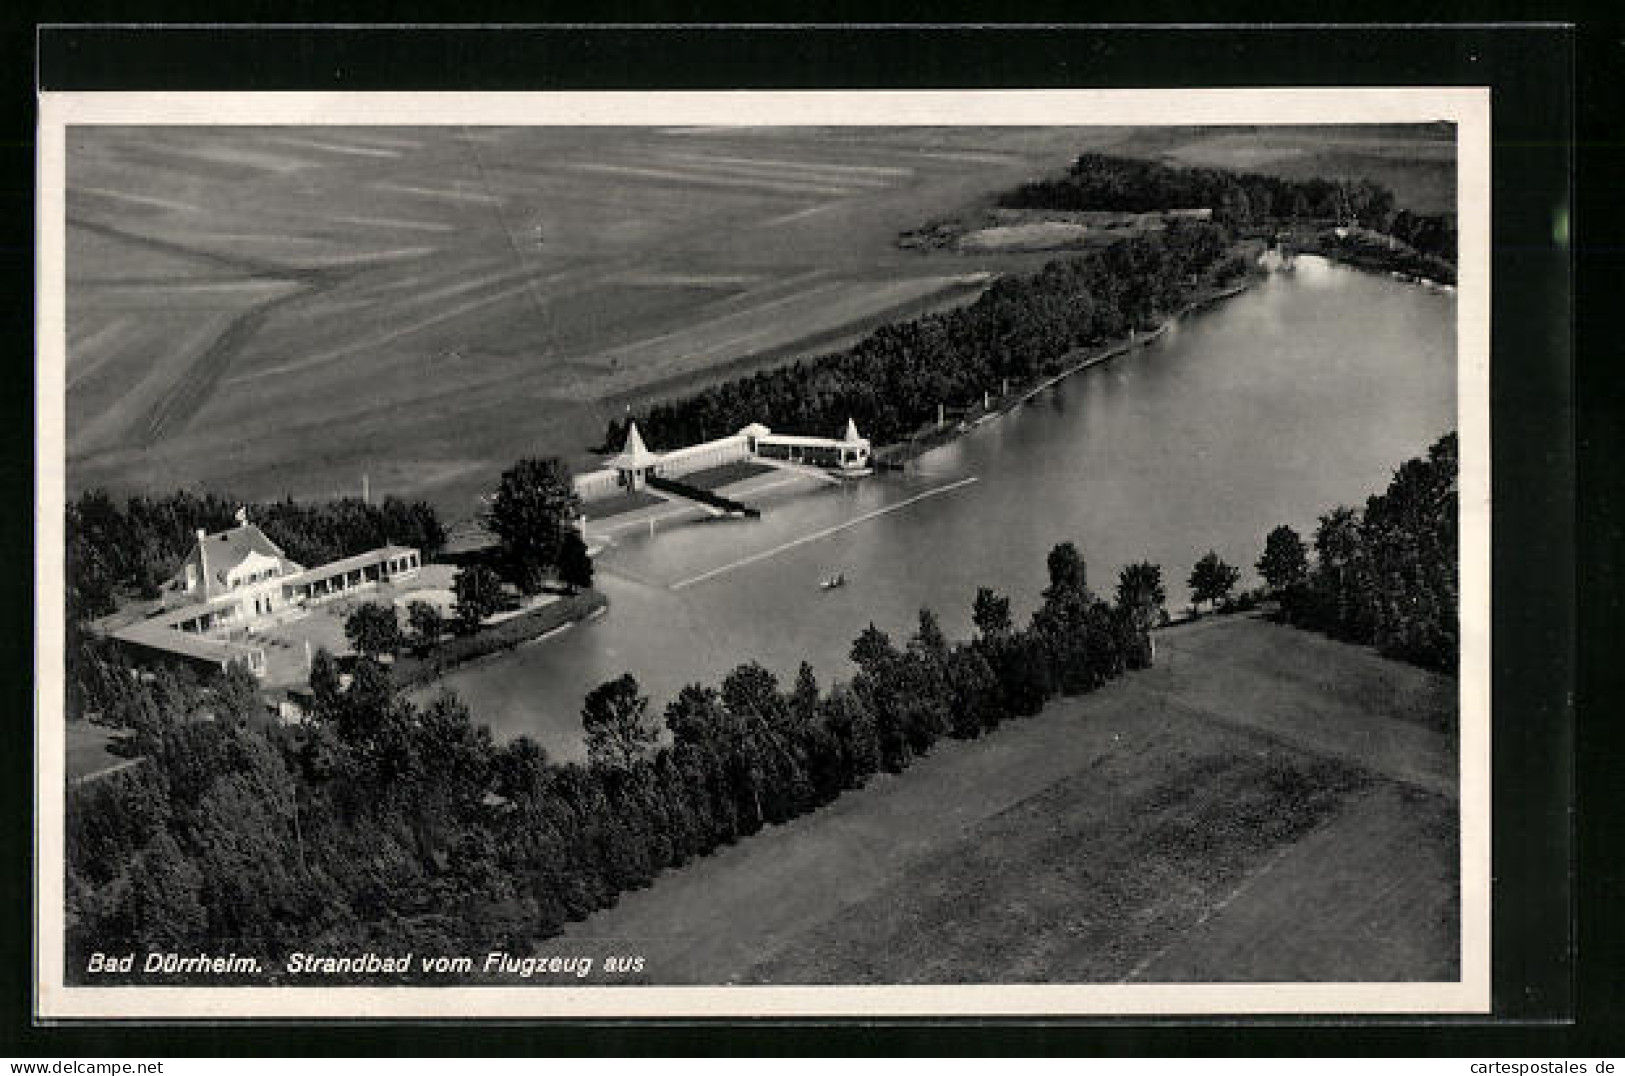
point(630, 470)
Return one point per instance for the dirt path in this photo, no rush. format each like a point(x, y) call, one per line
point(1049, 851)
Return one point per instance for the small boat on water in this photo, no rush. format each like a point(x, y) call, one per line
point(830, 582)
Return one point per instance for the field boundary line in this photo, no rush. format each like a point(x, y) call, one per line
point(817, 535)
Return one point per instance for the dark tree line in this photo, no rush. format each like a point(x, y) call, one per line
point(1387, 576)
point(1023, 326)
point(388, 825)
point(1373, 250)
point(128, 550)
point(1100, 181)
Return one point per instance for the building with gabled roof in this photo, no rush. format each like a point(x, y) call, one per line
point(236, 581)
point(227, 560)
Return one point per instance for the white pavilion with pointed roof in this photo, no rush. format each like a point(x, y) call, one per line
point(631, 469)
point(635, 461)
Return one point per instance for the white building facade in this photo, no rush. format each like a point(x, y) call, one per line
point(630, 470)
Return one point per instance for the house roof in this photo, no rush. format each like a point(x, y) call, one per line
point(350, 564)
point(224, 550)
point(159, 635)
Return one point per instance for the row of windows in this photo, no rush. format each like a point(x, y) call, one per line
point(255, 577)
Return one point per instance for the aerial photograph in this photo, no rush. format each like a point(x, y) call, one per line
point(554, 556)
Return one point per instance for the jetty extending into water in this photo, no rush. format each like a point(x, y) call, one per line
point(709, 498)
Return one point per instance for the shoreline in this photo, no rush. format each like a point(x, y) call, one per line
point(412, 673)
point(899, 453)
point(1376, 252)
point(1371, 266)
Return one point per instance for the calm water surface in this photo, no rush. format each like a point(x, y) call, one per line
point(1301, 394)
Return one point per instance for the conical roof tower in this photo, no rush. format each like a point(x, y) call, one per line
point(635, 454)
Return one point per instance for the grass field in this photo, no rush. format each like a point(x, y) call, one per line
point(1265, 804)
point(280, 310)
point(274, 311)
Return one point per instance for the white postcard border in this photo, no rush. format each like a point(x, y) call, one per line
point(1467, 107)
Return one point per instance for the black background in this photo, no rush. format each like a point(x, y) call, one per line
point(1545, 1003)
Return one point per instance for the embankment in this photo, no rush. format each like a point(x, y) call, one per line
point(1073, 362)
point(415, 671)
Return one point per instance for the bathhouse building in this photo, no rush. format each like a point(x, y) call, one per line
point(236, 582)
point(631, 469)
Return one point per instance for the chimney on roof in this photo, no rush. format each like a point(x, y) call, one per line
point(202, 562)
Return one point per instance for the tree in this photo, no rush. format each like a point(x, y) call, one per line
point(614, 716)
point(479, 594)
point(972, 693)
point(928, 640)
point(326, 684)
point(1285, 562)
point(130, 705)
point(752, 690)
point(696, 715)
point(373, 630)
point(575, 563)
point(237, 696)
point(991, 614)
point(1337, 538)
point(872, 649)
point(1212, 579)
point(451, 758)
point(175, 691)
point(852, 725)
point(535, 506)
point(804, 696)
point(1139, 588)
point(1068, 575)
point(1141, 596)
point(521, 770)
point(369, 706)
point(426, 623)
point(164, 908)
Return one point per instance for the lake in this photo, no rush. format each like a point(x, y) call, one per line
point(1302, 393)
